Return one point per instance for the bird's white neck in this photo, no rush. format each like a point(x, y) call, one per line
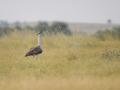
point(39, 40)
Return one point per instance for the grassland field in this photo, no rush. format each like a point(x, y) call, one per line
point(72, 62)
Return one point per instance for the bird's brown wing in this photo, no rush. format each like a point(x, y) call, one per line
point(34, 51)
point(37, 50)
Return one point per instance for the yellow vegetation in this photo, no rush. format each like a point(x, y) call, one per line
point(67, 63)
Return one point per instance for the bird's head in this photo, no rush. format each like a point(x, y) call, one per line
point(39, 32)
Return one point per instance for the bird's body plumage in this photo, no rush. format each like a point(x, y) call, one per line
point(36, 50)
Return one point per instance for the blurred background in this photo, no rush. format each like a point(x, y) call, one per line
point(80, 39)
point(75, 16)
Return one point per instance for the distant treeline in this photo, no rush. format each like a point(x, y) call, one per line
point(113, 33)
point(54, 28)
point(45, 27)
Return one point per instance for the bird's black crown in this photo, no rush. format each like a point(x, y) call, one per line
point(40, 32)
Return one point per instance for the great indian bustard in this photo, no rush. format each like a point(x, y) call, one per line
point(36, 50)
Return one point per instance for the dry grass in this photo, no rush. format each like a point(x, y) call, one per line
point(68, 63)
point(61, 84)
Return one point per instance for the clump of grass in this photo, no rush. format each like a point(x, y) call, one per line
point(111, 54)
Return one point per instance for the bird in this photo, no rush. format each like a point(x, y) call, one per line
point(36, 50)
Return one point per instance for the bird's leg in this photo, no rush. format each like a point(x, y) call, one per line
point(36, 58)
point(33, 56)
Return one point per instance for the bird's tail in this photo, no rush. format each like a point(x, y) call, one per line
point(26, 55)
